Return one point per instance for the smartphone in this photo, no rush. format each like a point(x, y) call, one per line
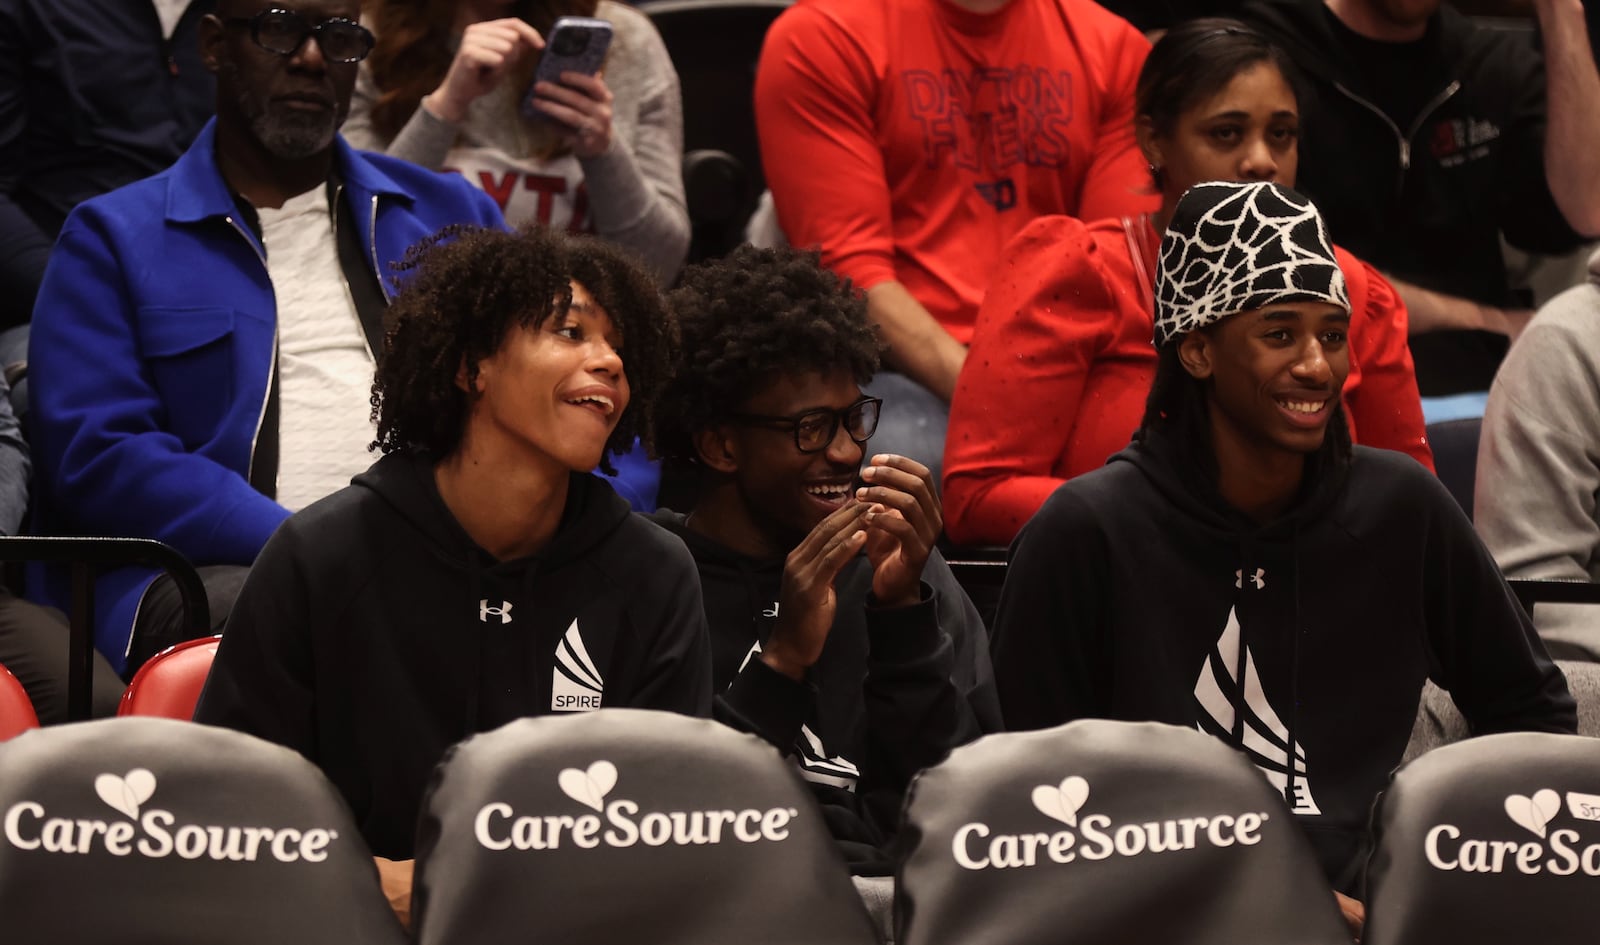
point(575, 44)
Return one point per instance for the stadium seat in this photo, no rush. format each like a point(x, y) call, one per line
point(622, 826)
point(1106, 833)
point(1455, 457)
point(714, 45)
point(1489, 841)
point(168, 684)
point(142, 830)
point(16, 710)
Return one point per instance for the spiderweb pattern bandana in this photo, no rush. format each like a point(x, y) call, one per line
point(1233, 248)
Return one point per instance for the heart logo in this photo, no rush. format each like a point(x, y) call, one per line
point(1533, 812)
point(589, 788)
point(126, 793)
point(1061, 802)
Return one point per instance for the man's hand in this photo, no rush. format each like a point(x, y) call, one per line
point(1355, 914)
point(806, 601)
point(395, 875)
point(903, 524)
point(489, 50)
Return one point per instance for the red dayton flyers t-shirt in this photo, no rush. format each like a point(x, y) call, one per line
point(911, 139)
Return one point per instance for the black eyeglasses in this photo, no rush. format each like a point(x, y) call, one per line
point(815, 429)
point(285, 31)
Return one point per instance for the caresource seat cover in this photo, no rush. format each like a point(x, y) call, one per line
point(1490, 841)
point(623, 826)
point(1106, 833)
point(148, 831)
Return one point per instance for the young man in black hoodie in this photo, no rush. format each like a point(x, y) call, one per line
point(478, 573)
point(1242, 568)
point(837, 631)
point(1427, 138)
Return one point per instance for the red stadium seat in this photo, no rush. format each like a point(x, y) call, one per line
point(169, 684)
point(16, 710)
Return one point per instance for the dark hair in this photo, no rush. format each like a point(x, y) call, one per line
point(749, 317)
point(1176, 409)
point(1196, 60)
point(416, 46)
point(466, 289)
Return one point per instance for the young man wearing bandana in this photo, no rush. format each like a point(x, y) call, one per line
point(1244, 569)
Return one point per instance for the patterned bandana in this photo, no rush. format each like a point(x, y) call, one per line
point(1234, 248)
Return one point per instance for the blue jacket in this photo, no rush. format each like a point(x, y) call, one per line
point(152, 351)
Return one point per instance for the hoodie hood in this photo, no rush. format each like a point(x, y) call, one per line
point(1186, 480)
point(405, 482)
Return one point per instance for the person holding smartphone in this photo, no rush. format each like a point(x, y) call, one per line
point(598, 148)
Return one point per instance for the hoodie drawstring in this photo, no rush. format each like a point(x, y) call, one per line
point(1294, 664)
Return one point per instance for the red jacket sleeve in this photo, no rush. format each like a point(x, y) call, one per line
point(1385, 408)
point(1046, 318)
point(815, 88)
point(1118, 183)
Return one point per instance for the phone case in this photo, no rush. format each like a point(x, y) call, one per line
point(559, 56)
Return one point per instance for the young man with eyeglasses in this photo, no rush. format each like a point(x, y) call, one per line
point(231, 308)
point(838, 633)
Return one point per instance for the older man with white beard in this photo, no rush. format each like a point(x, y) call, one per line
point(204, 340)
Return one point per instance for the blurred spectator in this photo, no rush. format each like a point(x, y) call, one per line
point(910, 139)
point(838, 634)
point(445, 87)
point(94, 94)
point(1427, 140)
point(230, 307)
point(33, 639)
point(1061, 362)
point(1537, 502)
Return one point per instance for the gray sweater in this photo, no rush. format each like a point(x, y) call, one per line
point(635, 189)
point(1539, 459)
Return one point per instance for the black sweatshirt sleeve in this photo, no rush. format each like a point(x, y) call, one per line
point(24, 247)
point(765, 702)
point(1052, 660)
point(1483, 648)
point(929, 684)
point(678, 678)
point(261, 682)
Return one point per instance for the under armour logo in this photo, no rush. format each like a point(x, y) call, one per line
point(1258, 580)
point(503, 611)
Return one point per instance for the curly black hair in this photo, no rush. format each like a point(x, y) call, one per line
point(464, 288)
point(750, 316)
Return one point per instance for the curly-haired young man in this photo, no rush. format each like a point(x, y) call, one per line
point(472, 575)
point(838, 634)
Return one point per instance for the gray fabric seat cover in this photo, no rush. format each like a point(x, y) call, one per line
point(1096, 793)
point(1486, 842)
point(147, 831)
point(723, 843)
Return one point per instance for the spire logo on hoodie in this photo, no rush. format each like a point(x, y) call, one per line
point(810, 755)
point(1219, 696)
point(1095, 837)
point(575, 683)
point(1560, 852)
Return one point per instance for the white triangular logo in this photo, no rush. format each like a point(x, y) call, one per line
point(1265, 738)
point(575, 684)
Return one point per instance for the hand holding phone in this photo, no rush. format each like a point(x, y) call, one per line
point(567, 87)
point(488, 51)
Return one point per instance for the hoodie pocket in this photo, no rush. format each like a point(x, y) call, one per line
point(189, 353)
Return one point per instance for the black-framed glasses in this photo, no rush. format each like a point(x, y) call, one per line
point(815, 429)
point(285, 31)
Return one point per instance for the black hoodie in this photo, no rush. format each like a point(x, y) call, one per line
point(1129, 593)
point(1427, 203)
point(372, 634)
point(893, 691)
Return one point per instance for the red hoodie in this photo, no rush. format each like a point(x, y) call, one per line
point(911, 139)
